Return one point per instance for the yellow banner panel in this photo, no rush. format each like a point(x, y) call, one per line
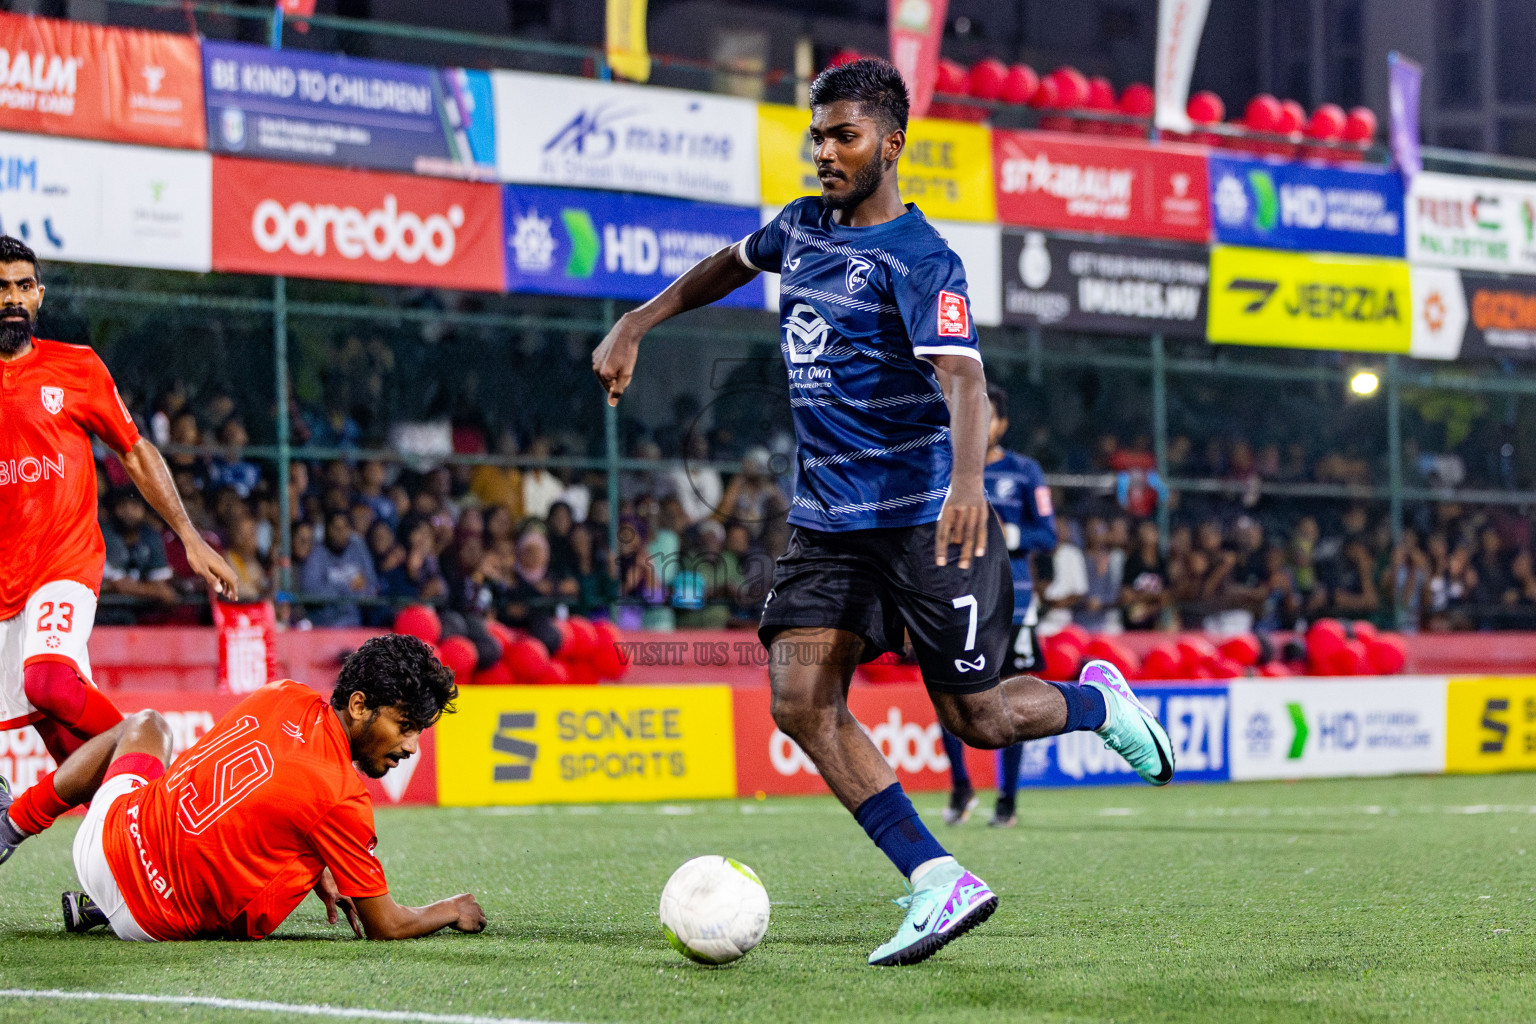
point(628, 54)
point(586, 744)
point(1308, 300)
point(946, 169)
point(1491, 725)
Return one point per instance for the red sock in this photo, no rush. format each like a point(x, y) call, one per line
point(37, 808)
point(57, 691)
point(58, 739)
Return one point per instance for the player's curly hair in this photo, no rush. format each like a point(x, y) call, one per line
point(400, 672)
point(871, 82)
point(14, 250)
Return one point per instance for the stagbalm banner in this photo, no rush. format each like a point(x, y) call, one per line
point(515, 745)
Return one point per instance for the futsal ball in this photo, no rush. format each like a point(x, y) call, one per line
point(714, 910)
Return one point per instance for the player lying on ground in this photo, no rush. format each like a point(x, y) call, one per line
point(259, 812)
point(892, 531)
point(54, 396)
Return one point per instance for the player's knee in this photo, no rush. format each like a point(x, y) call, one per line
point(146, 732)
point(798, 717)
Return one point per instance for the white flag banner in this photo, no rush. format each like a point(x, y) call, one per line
point(1180, 23)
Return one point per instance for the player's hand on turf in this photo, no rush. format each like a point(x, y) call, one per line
point(614, 360)
point(964, 522)
point(471, 917)
point(213, 569)
point(326, 889)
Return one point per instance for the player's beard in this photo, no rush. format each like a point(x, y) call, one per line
point(860, 187)
point(14, 335)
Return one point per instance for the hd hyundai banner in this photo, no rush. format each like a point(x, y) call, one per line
point(95, 202)
point(615, 245)
point(553, 130)
point(1060, 182)
point(274, 218)
point(121, 85)
point(1461, 314)
point(319, 108)
point(1305, 206)
point(1112, 287)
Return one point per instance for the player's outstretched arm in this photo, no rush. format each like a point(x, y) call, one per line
point(383, 918)
point(147, 469)
point(709, 280)
point(964, 519)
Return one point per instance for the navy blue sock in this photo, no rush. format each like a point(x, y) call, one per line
point(1010, 759)
point(1085, 707)
point(959, 775)
point(892, 822)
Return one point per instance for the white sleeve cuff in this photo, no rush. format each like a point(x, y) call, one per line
point(741, 254)
point(924, 351)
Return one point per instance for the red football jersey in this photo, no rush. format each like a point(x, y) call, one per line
point(51, 401)
point(234, 836)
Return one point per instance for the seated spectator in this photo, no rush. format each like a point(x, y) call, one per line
point(339, 570)
point(1406, 579)
point(753, 497)
point(303, 547)
point(370, 491)
point(1064, 594)
point(696, 483)
point(1098, 612)
point(1495, 587)
point(254, 581)
point(563, 559)
point(135, 561)
point(1144, 581)
point(541, 488)
point(186, 432)
point(500, 485)
point(1351, 586)
point(529, 599)
point(230, 469)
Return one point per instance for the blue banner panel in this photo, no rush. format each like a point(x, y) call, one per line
point(1196, 720)
point(615, 245)
point(319, 108)
point(1308, 207)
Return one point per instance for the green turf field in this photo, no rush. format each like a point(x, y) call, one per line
point(1396, 899)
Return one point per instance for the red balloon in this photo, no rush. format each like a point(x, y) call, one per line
point(1138, 100)
point(1062, 662)
point(1101, 94)
point(1274, 670)
point(1387, 654)
point(1327, 123)
point(1020, 85)
point(1103, 648)
point(580, 673)
point(952, 78)
point(1206, 108)
point(420, 621)
point(1077, 634)
point(497, 675)
point(1360, 126)
point(1223, 668)
point(459, 654)
point(1262, 113)
point(556, 675)
point(501, 631)
point(987, 78)
point(1365, 631)
point(1352, 659)
point(584, 639)
point(1046, 95)
point(528, 659)
point(607, 656)
point(1194, 652)
point(1162, 662)
point(842, 57)
point(1071, 88)
point(1292, 117)
point(1243, 650)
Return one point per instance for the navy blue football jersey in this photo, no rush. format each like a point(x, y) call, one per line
point(1016, 488)
point(862, 311)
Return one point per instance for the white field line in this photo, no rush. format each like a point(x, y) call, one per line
point(261, 1006)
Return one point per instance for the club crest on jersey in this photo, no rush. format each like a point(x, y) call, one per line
point(53, 399)
point(858, 273)
point(806, 332)
point(954, 316)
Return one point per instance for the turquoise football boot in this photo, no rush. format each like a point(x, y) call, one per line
point(951, 902)
point(1129, 729)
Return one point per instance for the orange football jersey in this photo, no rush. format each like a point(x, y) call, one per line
point(51, 401)
point(235, 834)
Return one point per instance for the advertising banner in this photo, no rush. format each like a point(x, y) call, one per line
point(615, 245)
point(1333, 728)
point(94, 202)
point(275, 218)
point(899, 719)
point(1305, 300)
point(1405, 79)
point(628, 53)
point(121, 85)
point(917, 31)
point(557, 130)
point(586, 744)
point(1472, 223)
point(1180, 24)
point(946, 168)
point(1118, 286)
point(1119, 188)
point(1462, 314)
point(320, 108)
point(1306, 206)
point(1491, 725)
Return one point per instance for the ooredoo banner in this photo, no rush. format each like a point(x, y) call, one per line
point(558, 130)
point(1333, 728)
point(1046, 180)
point(1119, 286)
point(586, 744)
point(320, 108)
point(275, 218)
point(1304, 206)
point(617, 245)
point(122, 85)
point(95, 202)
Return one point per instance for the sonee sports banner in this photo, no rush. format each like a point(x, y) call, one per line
point(1297, 300)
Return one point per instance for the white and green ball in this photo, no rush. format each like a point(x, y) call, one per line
point(714, 910)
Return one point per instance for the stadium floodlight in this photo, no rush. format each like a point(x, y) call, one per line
point(1364, 383)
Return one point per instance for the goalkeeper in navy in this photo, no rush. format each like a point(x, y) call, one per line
point(893, 536)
